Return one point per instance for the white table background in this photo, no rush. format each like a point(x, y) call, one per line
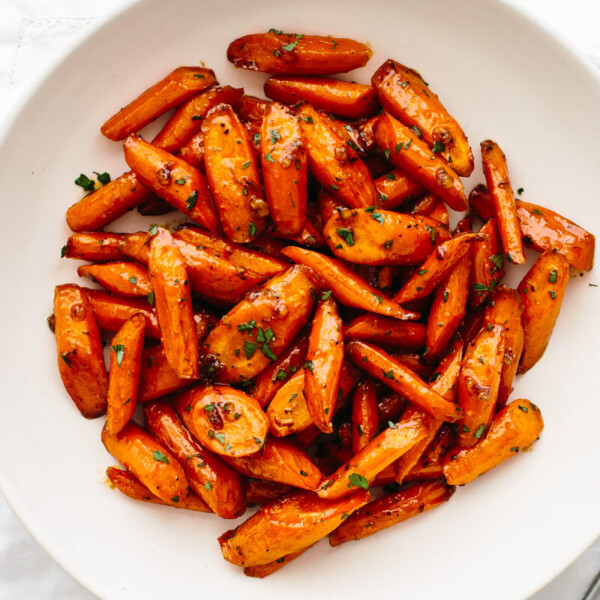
point(33, 34)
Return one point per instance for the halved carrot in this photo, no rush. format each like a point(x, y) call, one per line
point(277, 52)
point(542, 290)
point(310, 235)
point(284, 168)
point(383, 367)
point(487, 265)
point(495, 170)
point(391, 510)
point(405, 94)
point(173, 305)
point(97, 246)
point(250, 108)
point(343, 98)
point(192, 152)
point(79, 350)
point(136, 245)
point(124, 376)
point(390, 407)
point(413, 361)
point(324, 360)
point(386, 332)
point(261, 571)
point(513, 429)
point(365, 415)
point(386, 277)
point(125, 278)
point(333, 163)
point(349, 133)
point(430, 464)
point(347, 287)
point(439, 213)
point(259, 491)
point(366, 132)
point(157, 377)
point(214, 481)
point(403, 148)
point(175, 88)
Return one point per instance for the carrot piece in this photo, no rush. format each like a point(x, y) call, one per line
point(309, 236)
point(187, 119)
point(259, 491)
point(250, 108)
point(495, 170)
point(542, 290)
point(347, 287)
point(94, 246)
point(505, 308)
point(157, 377)
point(124, 376)
point(173, 305)
point(79, 350)
point(448, 308)
point(405, 150)
point(349, 133)
point(390, 407)
point(136, 245)
point(514, 428)
point(148, 460)
point(333, 163)
point(297, 54)
point(233, 175)
point(286, 525)
point(405, 94)
point(402, 380)
point(365, 415)
point(324, 360)
point(439, 213)
point(413, 361)
point(386, 332)
point(429, 466)
point(343, 98)
point(125, 278)
point(391, 510)
point(261, 571)
point(175, 88)
point(487, 265)
point(214, 481)
point(192, 152)
point(126, 483)
point(108, 203)
point(381, 237)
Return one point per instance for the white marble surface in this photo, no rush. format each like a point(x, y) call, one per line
point(34, 34)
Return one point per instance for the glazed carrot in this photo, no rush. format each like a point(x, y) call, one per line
point(382, 451)
point(333, 163)
point(250, 108)
point(175, 88)
point(173, 305)
point(495, 170)
point(386, 277)
point(324, 360)
point(439, 213)
point(172, 179)
point(448, 308)
point(365, 415)
point(126, 483)
point(124, 376)
point(434, 269)
point(347, 287)
point(233, 175)
point(288, 410)
point(386, 332)
point(297, 54)
point(258, 329)
point(192, 152)
point(79, 350)
point(259, 491)
point(402, 380)
point(543, 229)
point(414, 361)
point(421, 206)
point(214, 481)
point(381, 237)
point(149, 461)
point(108, 203)
point(268, 382)
point(514, 428)
point(405, 94)
point(125, 278)
point(284, 168)
point(405, 150)
point(187, 119)
point(366, 132)
point(157, 377)
point(286, 525)
point(542, 290)
point(154, 207)
point(349, 133)
point(390, 407)
point(261, 571)
point(391, 510)
point(94, 246)
point(487, 265)
point(505, 308)
point(309, 236)
point(430, 464)
point(136, 245)
point(478, 384)
point(343, 98)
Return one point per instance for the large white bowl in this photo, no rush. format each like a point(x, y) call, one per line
point(501, 537)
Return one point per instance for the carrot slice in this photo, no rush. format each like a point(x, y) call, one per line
point(125, 278)
point(386, 332)
point(365, 415)
point(94, 246)
point(487, 265)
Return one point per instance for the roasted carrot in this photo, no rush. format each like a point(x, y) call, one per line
point(259, 491)
point(430, 464)
point(365, 415)
point(298, 54)
point(250, 108)
point(414, 361)
point(192, 152)
point(366, 132)
point(124, 376)
point(125, 278)
point(309, 236)
point(542, 290)
point(386, 332)
point(157, 377)
point(487, 264)
point(349, 133)
point(390, 407)
point(136, 245)
point(94, 246)
point(261, 571)
point(175, 88)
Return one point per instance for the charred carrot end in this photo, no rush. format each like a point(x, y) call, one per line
point(174, 305)
point(79, 350)
point(125, 278)
point(385, 332)
point(513, 429)
point(293, 53)
point(174, 89)
point(365, 415)
point(94, 246)
point(272, 567)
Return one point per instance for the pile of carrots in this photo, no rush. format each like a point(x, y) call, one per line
point(315, 331)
